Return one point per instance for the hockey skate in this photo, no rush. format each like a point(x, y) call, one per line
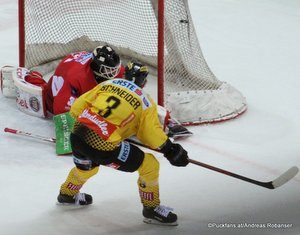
point(160, 215)
point(80, 199)
point(177, 131)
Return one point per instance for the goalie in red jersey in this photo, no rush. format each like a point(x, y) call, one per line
point(78, 73)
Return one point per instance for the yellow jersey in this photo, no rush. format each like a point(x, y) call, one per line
point(118, 109)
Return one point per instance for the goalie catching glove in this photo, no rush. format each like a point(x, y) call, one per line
point(175, 153)
point(27, 86)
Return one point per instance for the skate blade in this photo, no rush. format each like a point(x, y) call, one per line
point(180, 137)
point(71, 205)
point(156, 222)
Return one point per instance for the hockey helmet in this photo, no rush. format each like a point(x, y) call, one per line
point(106, 62)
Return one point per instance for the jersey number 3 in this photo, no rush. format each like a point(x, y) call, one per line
point(112, 103)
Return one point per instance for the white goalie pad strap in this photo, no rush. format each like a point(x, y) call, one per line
point(6, 79)
point(30, 98)
point(204, 106)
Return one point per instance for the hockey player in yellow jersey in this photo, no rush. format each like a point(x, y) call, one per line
point(105, 117)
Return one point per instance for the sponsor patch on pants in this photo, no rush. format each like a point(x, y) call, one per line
point(124, 152)
point(113, 165)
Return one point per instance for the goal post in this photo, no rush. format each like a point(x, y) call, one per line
point(159, 33)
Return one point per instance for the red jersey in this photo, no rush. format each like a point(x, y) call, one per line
point(72, 78)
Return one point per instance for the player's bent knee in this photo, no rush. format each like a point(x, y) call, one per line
point(87, 173)
point(149, 166)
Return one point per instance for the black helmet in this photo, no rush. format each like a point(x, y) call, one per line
point(105, 63)
point(136, 72)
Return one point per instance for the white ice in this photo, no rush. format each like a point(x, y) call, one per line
point(254, 46)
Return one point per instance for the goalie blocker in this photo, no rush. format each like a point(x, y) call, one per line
point(28, 88)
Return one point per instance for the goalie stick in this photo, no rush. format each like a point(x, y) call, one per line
point(27, 134)
point(279, 181)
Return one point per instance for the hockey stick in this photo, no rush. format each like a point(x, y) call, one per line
point(27, 134)
point(282, 179)
point(279, 181)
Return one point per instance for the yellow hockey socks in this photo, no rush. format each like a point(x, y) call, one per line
point(75, 180)
point(148, 181)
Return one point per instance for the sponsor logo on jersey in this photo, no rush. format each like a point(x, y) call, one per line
point(124, 152)
point(97, 123)
point(94, 118)
point(139, 92)
point(146, 102)
point(124, 83)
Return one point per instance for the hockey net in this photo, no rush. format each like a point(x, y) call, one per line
point(159, 33)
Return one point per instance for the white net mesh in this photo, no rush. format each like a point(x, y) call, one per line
point(184, 62)
point(56, 28)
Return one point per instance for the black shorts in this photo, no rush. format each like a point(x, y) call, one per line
point(126, 157)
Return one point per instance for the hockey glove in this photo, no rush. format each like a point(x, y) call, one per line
point(176, 155)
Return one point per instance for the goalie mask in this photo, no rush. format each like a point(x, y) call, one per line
point(137, 73)
point(105, 63)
